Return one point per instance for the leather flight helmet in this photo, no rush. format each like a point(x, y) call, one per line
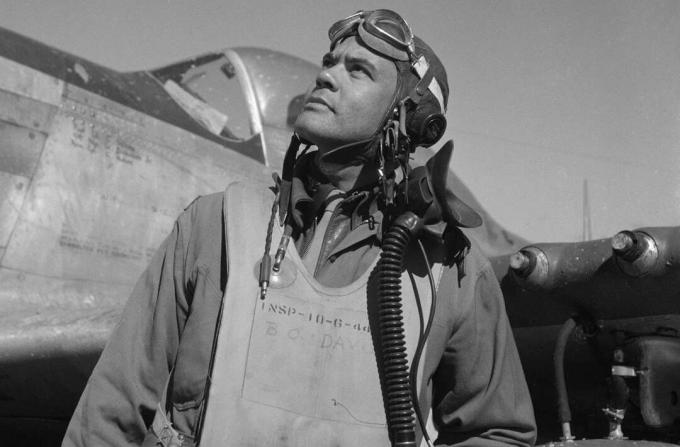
point(422, 88)
point(425, 112)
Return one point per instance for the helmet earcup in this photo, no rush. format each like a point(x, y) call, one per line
point(431, 129)
point(426, 124)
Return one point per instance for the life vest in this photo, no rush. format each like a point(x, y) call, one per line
point(298, 368)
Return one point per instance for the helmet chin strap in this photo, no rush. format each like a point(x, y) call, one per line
point(394, 150)
point(351, 154)
point(387, 149)
point(285, 184)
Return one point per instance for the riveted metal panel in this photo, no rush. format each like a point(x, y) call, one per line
point(26, 112)
point(23, 291)
point(109, 185)
point(19, 149)
point(51, 333)
point(94, 107)
point(12, 192)
point(25, 81)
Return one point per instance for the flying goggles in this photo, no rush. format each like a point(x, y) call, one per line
point(387, 33)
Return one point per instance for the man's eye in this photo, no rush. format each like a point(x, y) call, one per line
point(359, 69)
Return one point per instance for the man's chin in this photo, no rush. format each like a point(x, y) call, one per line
point(306, 130)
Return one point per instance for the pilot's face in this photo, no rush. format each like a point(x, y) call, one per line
point(350, 97)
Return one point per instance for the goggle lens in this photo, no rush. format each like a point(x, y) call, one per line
point(342, 27)
point(382, 23)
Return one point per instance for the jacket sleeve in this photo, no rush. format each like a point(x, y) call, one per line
point(480, 395)
point(121, 395)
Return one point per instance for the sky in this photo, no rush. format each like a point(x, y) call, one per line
point(549, 97)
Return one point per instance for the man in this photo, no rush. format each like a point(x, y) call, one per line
point(380, 94)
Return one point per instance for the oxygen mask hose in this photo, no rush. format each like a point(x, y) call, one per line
point(396, 382)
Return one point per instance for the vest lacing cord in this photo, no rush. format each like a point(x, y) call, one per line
point(265, 263)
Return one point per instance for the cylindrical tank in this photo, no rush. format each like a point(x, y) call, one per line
point(634, 274)
point(550, 266)
point(647, 251)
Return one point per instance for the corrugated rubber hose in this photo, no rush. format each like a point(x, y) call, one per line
point(399, 405)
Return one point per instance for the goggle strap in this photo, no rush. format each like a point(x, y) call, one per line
point(422, 67)
point(421, 87)
point(381, 46)
point(341, 27)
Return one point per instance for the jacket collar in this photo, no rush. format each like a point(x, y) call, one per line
point(310, 190)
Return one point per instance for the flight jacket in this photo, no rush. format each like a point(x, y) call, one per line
point(165, 335)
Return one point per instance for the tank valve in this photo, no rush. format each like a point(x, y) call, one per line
point(628, 246)
point(530, 268)
point(635, 252)
point(522, 263)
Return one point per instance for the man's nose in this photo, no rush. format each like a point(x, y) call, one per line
point(326, 79)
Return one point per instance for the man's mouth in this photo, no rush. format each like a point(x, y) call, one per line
point(316, 100)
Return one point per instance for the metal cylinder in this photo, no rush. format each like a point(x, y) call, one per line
point(636, 252)
point(550, 266)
